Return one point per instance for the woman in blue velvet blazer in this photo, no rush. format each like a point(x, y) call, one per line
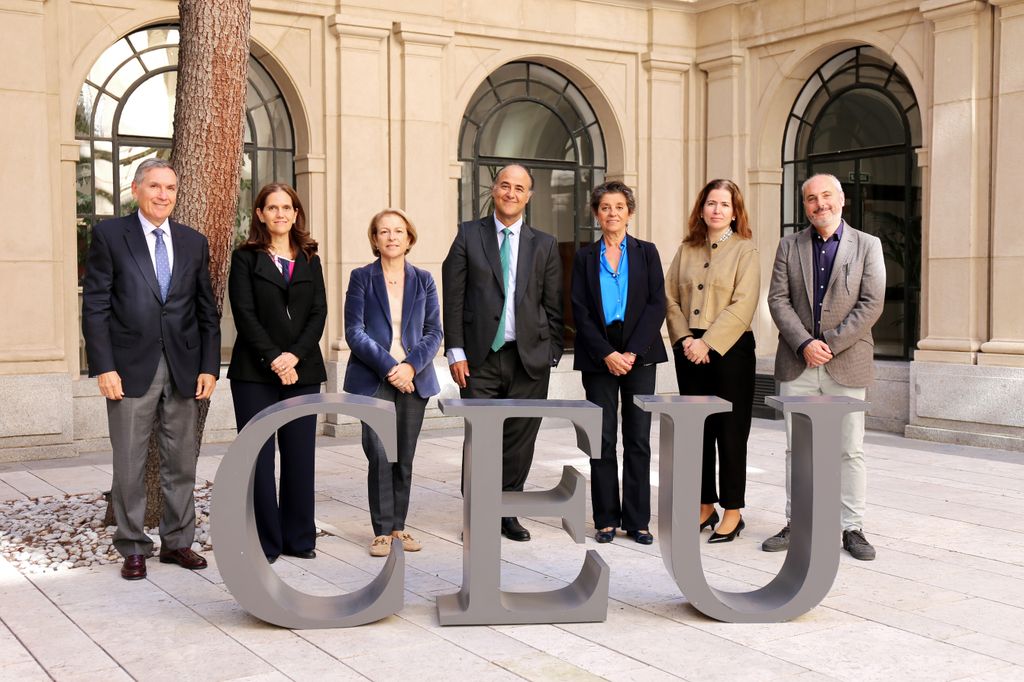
point(393, 328)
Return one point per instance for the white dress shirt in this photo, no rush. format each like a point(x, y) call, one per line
point(147, 229)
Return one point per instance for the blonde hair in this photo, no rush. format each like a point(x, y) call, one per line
point(371, 233)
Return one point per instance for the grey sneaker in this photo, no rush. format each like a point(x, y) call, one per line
point(778, 542)
point(857, 545)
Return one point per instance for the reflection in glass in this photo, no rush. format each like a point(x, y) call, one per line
point(83, 111)
point(149, 110)
point(103, 120)
point(856, 120)
point(280, 125)
point(130, 71)
point(526, 130)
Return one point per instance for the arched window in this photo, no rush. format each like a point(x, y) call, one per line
point(125, 115)
point(530, 114)
point(857, 118)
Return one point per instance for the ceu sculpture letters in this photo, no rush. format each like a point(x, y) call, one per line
point(803, 581)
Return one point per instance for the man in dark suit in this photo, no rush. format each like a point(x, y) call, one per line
point(503, 317)
point(827, 291)
point(152, 336)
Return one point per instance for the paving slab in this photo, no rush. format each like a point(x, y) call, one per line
point(944, 600)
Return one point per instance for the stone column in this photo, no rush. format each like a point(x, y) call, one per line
point(726, 127)
point(420, 151)
point(39, 339)
point(671, 126)
point(672, 170)
point(957, 235)
point(358, 127)
point(1006, 342)
point(972, 243)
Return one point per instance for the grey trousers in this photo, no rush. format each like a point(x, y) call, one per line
point(388, 485)
point(131, 421)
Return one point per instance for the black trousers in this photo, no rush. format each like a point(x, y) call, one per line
point(731, 377)
point(634, 511)
point(502, 375)
point(388, 485)
point(285, 523)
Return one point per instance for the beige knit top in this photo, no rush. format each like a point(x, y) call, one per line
point(715, 288)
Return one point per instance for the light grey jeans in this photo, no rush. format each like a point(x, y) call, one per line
point(818, 381)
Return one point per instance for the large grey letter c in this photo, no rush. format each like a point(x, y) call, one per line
point(247, 575)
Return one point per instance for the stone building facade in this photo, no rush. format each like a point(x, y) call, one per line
point(914, 105)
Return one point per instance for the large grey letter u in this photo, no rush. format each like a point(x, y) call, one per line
point(813, 558)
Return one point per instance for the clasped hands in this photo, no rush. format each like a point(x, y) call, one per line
point(817, 353)
point(696, 351)
point(619, 364)
point(401, 376)
point(284, 367)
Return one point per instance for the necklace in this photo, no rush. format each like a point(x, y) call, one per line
point(396, 280)
point(726, 235)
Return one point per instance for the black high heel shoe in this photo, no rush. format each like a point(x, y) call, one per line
point(728, 537)
point(709, 521)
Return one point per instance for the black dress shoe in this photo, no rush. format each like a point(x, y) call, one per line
point(184, 557)
point(308, 554)
point(134, 567)
point(728, 537)
point(643, 537)
point(271, 559)
point(710, 521)
point(603, 536)
point(513, 530)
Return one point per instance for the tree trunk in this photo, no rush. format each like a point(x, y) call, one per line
point(209, 115)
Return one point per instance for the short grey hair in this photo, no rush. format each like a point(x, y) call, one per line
point(834, 179)
point(148, 165)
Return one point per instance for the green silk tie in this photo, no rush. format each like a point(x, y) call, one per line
point(505, 253)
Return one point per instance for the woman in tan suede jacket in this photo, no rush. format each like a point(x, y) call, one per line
point(712, 289)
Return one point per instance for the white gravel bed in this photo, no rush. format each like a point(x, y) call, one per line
point(58, 533)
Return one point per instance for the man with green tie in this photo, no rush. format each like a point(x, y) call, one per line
point(502, 295)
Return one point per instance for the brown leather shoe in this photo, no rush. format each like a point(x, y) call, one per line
point(184, 557)
point(134, 567)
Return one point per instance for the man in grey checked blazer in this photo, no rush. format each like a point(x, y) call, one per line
point(827, 290)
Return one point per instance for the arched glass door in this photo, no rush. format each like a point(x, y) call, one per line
point(857, 118)
point(530, 114)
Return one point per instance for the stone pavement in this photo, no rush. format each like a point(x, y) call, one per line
point(943, 601)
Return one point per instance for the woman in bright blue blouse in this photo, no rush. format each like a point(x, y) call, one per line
point(618, 302)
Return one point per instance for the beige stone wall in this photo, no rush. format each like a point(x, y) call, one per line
point(685, 91)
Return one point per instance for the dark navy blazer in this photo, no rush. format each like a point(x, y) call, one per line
point(368, 329)
point(127, 326)
point(645, 306)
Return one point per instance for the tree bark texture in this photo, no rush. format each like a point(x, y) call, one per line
point(209, 115)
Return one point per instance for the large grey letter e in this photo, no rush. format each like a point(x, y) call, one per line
point(481, 601)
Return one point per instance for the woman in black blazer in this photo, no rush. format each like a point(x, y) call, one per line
point(279, 303)
point(618, 301)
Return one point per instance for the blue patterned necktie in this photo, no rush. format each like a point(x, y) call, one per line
point(163, 264)
point(285, 270)
point(506, 257)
